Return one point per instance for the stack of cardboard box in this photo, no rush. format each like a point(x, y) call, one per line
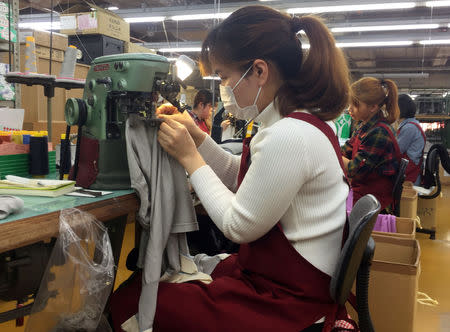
point(95, 31)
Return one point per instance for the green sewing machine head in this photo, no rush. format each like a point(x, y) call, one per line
point(116, 86)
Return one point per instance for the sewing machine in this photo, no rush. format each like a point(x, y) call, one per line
point(116, 85)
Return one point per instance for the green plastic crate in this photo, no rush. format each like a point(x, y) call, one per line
point(18, 164)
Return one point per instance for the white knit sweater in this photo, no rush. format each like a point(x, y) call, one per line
point(294, 178)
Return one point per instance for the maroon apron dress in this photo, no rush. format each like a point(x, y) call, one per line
point(378, 185)
point(267, 286)
point(413, 170)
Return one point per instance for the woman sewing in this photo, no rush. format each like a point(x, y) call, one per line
point(284, 199)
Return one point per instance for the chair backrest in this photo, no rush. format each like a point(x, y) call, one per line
point(398, 185)
point(361, 222)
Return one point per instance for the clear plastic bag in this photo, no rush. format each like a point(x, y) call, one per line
point(78, 279)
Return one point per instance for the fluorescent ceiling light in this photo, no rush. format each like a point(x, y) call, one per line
point(144, 19)
point(376, 44)
point(386, 28)
point(435, 42)
point(437, 3)
point(113, 8)
point(352, 8)
point(413, 96)
point(217, 78)
point(307, 46)
point(200, 17)
point(180, 49)
point(397, 75)
point(40, 25)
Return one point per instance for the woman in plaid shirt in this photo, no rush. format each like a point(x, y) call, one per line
point(372, 155)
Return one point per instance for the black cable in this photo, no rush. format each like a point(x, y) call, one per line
point(81, 121)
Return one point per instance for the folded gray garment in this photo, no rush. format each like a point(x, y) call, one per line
point(9, 204)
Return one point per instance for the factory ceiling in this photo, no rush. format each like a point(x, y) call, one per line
point(408, 40)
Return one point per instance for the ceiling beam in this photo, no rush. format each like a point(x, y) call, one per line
point(442, 57)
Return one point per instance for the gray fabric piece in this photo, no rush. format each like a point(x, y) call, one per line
point(166, 211)
point(205, 263)
point(10, 204)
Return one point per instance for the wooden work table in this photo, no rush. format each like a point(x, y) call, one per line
point(39, 220)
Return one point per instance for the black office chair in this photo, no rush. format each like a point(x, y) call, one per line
point(398, 186)
point(437, 153)
point(430, 178)
point(355, 259)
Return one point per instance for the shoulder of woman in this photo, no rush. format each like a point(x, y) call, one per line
point(281, 132)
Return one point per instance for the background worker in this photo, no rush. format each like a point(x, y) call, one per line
point(202, 110)
point(372, 156)
point(411, 138)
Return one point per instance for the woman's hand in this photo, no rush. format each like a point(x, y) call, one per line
point(186, 120)
point(225, 124)
point(167, 109)
point(176, 141)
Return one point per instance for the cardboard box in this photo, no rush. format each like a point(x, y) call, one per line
point(408, 203)
point(80, 19)
point(406, 228)
point(42, 38)
point(44, 52)
point(394, 281)
point(393, 285)
point(427, 210)
point(444, 177)
point(130, 47)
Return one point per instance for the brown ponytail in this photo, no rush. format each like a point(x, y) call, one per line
point(322, 84)
point(372, 91)
point(319, 83)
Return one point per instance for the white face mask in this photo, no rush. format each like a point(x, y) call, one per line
point(231, 106)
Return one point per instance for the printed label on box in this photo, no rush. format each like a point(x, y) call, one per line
point(11, 118)
point(87, 21)
point(68, 22)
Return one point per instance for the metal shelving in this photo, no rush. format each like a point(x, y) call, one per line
point(15, 54)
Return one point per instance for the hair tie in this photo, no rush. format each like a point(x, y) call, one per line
point(384, 86)
point(296, 24)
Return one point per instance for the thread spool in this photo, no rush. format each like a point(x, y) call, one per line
point(68, 65)
point(38, 156)
point(30, 55)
